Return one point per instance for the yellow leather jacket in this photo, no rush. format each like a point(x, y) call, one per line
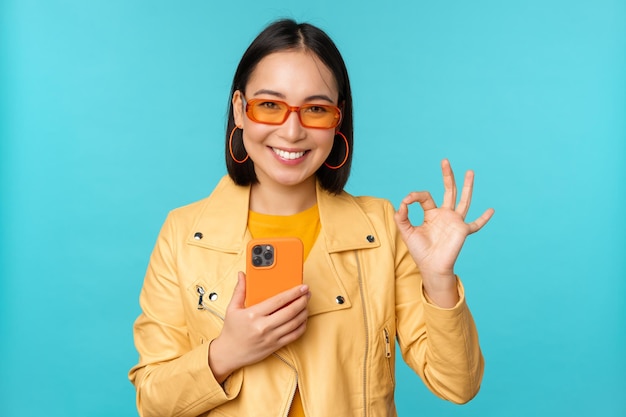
point(366, 294)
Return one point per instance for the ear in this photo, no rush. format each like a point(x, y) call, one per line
point(238, 109)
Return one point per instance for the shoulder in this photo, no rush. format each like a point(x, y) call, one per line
point(219, 219)
point(187, 214)
point(226, 206)
point(191, 210)
point(223, 192)
point(370, 205)
point(347, 215)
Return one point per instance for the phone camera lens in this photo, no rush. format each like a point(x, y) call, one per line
point(257, 261)
point(257, 250)
point(268, 255)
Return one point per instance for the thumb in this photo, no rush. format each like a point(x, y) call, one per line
point(239, 293)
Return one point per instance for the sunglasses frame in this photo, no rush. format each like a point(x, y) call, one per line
point(290, 109)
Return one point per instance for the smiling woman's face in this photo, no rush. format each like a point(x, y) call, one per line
point(287, 154)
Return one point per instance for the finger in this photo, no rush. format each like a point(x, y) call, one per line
point(466, 194)
point(401, 217)
point(290, 317)
point(449, 185)
point(422, 197)
point(280, 300)
point(239, 293)
point(293, 329)
point(289, 311)
point(478, 224)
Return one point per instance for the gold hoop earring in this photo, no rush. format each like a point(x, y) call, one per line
point(230, 147)
point(347, 153)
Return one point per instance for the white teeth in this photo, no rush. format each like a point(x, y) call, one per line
point(287, 155)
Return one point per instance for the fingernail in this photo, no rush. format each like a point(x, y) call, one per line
point(304, 288)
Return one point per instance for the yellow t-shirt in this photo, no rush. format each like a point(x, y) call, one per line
point(305, 225)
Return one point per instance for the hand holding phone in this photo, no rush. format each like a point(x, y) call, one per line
point(273, 265)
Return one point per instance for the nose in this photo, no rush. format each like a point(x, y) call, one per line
point(292, 128)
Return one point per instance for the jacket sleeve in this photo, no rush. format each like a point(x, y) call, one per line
point(440, 345)
point(171, 378)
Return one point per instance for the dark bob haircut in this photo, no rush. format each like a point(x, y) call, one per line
point(285, 35)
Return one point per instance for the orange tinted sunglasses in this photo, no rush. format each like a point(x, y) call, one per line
point(276, 112)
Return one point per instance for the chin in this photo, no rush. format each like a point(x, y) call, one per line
point(292, 181)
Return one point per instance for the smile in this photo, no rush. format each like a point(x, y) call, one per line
point(288, 155)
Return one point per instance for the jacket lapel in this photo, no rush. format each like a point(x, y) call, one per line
point(331, 270)
point(223, 220)
point(345, 226)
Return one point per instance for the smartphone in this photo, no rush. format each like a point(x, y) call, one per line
point(273, 265)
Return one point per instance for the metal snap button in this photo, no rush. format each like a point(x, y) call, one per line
point(198, 236)
point(213, 296)
point(370, 238)
point(340, 300)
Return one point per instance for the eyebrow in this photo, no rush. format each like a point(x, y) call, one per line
point(282, 96)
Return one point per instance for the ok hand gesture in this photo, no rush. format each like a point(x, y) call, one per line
point(437, 242)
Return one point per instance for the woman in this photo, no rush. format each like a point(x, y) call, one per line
point(326, 347)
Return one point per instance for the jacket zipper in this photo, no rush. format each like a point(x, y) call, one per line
point(201, 293)
point(388, 354)
point(367, 342)
point(293, 393)
point(202, 305)
point(387, 344)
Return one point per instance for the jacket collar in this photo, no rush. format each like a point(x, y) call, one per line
point(224, 217)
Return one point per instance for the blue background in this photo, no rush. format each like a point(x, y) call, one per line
point(113, 112)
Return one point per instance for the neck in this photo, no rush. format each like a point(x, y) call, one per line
point(283, 200)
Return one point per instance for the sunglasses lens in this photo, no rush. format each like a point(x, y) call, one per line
point(319, 116)
point(272, 112)
point(276, 112)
